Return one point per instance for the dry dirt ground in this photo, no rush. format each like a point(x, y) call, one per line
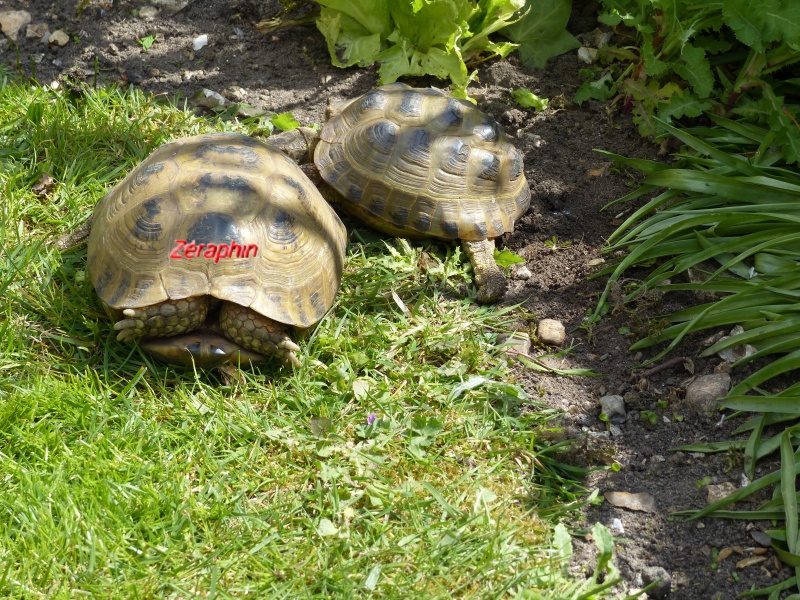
point(289, 70)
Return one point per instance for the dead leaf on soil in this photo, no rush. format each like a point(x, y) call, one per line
point(749, 562)
point(643, 501)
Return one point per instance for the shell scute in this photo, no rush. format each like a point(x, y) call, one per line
point(209, 191)
point(417, 163)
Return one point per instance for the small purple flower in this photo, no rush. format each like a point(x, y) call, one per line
point(372, 418)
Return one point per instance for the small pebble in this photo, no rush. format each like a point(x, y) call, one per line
point(663, 587)
point(11, 21)
point(235, 93)
point(37, 31)
point(521, 272)
point(551, 332)
point(761, 538)
point(206, 98)
point(614, 408)
point(148, 12)
point(514, 343)
point(617, 528)
point(705, 391)
point(58, 38)
point(200, 42)
point(719, 491)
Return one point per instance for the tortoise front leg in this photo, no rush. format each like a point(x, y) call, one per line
point(167, 318)
point(258, 333)
point(489, 279)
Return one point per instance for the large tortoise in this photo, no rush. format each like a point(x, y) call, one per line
point(416, 163)
point(213, 249)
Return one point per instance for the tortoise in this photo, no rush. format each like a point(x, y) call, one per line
point(417, 163)
point(213, 250)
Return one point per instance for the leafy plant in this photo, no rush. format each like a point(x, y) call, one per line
point(687, 58)
point(541, 34)
point(284, 121)
point(726, 220)
point(439, 37)
point(527, 99)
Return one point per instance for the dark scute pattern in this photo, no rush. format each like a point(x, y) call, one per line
point(143, 176)
point(377, 205)
point(410, 104)
point(103, 280)
point(214, 228)
point(489, 130)
point(248, 155)
point(354, 193)
point(282, 229)
point(146, 228)
point(451, 117)
point(122, 290)
point(457, 157)
point(316, 302)
point(233, 183)
point(373, 101)
point(419, 145)
point(490, 166)
point(296, 186)
point(399, 216)
point(450, 228)
point(480, 227)
point(422, 223)
point(382, 136)
point(516, 164)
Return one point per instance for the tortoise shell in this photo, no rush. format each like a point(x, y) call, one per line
point(217, 190)
point(417, 163)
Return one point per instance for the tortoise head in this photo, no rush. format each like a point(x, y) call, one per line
point(203, 348)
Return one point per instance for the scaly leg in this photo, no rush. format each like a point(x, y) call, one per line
point(489, 279)
point(167, 318)
point(258, 333)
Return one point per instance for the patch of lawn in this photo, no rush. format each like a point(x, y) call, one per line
point(401, 461)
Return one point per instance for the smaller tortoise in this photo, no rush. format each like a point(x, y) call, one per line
point(416, 163)
point(213, 249)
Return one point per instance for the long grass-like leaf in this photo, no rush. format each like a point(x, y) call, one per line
point(789, 495)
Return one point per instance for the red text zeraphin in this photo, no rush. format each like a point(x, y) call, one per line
point(212, 251)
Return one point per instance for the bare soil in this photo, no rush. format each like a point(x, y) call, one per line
point(289, 70)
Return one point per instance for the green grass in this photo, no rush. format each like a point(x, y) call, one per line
point(128, 479)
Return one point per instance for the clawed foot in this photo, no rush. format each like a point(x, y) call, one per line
point(162, 320)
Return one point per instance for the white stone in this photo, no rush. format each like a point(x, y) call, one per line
point(200, 42)
point(11, 21)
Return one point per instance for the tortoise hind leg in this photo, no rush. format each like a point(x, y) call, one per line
point(164, 319)
point(489, 279)
point(257, 333)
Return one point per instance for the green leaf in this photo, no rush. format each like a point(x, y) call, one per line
point(683, 104)
point(419, 37)
point(505, 258)
point(602, 89)
point(696, 69)
point(284, 121)
point(527, 99)
point(147, 42)
point(541, 33)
